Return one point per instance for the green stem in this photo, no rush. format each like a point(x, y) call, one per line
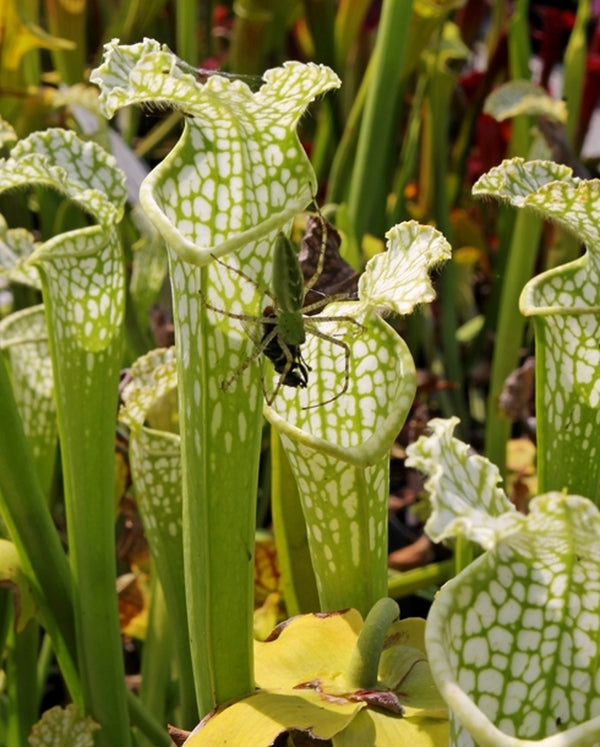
point(364, 664)
point(574, 77)
point(408, 582)
point(25, 512)
point(219, 495)
point(186, 32)
point(293, 554)
point(519, 53)
point(252, 31)
point(320, 17)
point(340, 176)
point(367, 198)
point(90, 504)
point(44, 662)
point(68, 21)
point(509, 335)
point(156, 662)
point(148, 725)
point(22, 693)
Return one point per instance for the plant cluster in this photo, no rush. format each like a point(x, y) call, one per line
point(173, 375)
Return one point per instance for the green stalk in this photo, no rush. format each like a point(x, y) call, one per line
point(368, 191)
point(519, 55)
point(68, 21)
point(21, 676)
point(43, 665)
point(86, 387)
point(509, 335)
point(186, 31)
point(441, 88)
point(320, 16)
point(253, 28)
point(574, 76)
point(522, 252)
point(219, 502)
point(156, 661)
point(408, 582)
point(147, 724)
point(364, 663)
point(293, 554)
point(349, 18)
point(25, 512)
point(409, 155)
point(340, 177)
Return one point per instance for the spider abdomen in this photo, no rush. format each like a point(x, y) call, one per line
point(286, 357)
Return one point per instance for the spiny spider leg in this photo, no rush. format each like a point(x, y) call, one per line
point(322, 302)
point(242, 274)
point(321, 261)
point(259, 348)
point(285, 322)
point(346, 348)
point(232, 315)
point(291, 360)
point(347, 319)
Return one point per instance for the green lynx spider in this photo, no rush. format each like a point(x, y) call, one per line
point(286, 321)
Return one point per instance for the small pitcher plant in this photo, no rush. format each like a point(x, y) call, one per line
point(513, 639)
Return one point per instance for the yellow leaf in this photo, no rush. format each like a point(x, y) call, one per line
point(18, 37)
point(302, 675)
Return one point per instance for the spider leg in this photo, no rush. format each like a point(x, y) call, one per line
point(346, 348)
point(242, 274)
point(231, 315)
point(258, 350)
point(347, 319)
point(322, 302)
point(321, 261)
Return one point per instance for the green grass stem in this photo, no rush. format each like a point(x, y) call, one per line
point(369, 185)
point(511, 324)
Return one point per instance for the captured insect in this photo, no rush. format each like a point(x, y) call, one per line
point(286, 321)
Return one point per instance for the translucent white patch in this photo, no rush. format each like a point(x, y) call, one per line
point(515, 696)
point(476, 652)
point(485, 609)
point(509, 613)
